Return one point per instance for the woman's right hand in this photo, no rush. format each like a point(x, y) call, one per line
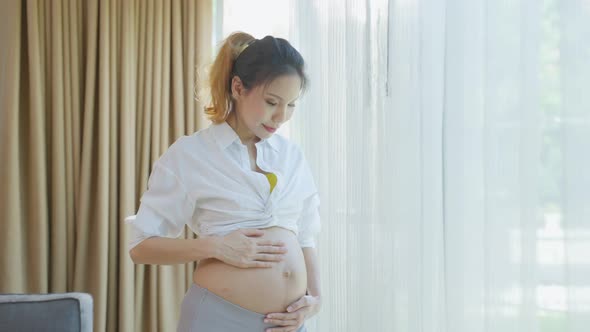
point(241, 248)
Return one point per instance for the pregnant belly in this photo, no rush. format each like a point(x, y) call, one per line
point(261, 290)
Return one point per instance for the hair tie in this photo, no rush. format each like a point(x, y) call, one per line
point(245, 46)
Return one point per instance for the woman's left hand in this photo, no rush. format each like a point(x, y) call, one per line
point(296, 314)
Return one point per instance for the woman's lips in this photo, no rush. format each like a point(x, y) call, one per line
point(269, 129)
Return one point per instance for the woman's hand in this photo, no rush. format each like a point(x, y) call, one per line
point(241, 248)
point(296, 314)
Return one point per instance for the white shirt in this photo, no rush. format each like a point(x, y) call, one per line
point(205, 181)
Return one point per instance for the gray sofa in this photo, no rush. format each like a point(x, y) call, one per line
point(67, 312)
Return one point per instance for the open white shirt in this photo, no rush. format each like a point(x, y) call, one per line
point(205, 181)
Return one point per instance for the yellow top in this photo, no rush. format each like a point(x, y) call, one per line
point(272, 178)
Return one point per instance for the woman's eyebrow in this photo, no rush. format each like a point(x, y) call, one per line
point(272, 94)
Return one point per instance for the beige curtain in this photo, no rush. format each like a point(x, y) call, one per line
point(92, 92)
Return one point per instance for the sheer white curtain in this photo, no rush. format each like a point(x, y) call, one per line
point(451, 144)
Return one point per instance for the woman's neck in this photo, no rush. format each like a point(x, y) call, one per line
point(246, 136)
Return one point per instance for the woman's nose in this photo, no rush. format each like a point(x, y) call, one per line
point(280, 114)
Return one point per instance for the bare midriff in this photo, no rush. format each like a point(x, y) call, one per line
point(262, 290)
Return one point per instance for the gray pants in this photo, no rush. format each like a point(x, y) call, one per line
point(205, 311)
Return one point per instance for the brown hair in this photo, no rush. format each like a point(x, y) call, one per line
point(260, 62)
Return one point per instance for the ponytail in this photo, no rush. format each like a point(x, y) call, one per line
point(220, 74)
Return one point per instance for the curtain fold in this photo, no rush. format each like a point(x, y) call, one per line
point(93, 92)
point(450, 141)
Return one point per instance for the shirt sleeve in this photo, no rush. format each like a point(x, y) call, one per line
point(309, 222)
point(165, 207)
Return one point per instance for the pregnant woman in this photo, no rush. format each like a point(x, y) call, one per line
point(247, 192)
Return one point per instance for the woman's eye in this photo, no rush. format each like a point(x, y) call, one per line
point(270, 103)
point(291, 105)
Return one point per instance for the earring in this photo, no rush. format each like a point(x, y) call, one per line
point(229, 109)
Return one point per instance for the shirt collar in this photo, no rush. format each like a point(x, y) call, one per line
point(225, 135)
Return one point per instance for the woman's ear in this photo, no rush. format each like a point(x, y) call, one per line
point(237, 88)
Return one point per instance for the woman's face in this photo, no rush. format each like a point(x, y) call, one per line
point(261, 109)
